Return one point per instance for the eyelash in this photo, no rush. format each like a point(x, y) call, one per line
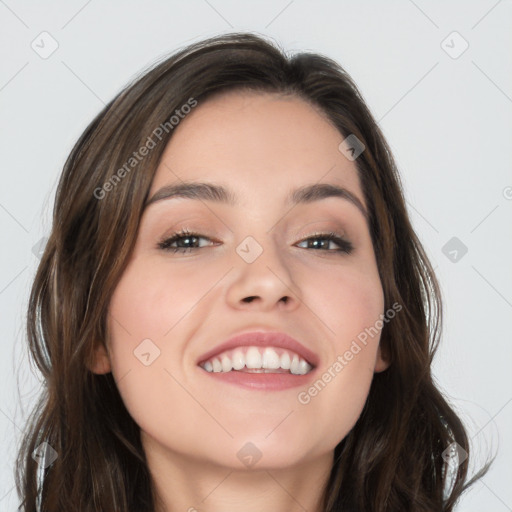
point(346, 247)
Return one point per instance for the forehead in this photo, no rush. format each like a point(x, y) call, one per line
point(248, 139)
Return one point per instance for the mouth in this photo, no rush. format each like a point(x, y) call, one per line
point(260, 360)
point(252, 359)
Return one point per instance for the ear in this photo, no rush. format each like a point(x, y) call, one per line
point(101, 360)
point(381, 363)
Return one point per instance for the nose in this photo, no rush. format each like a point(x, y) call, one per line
point(263, 284)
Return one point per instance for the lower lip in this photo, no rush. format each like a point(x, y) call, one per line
point(262, 381)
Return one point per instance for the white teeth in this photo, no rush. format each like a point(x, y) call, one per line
point(304, 367)
point(294, 366)
point(285, 361)
point(217, 367)
point(255, 358)
point(270, 359)
point(238, 360)
point(226, 364)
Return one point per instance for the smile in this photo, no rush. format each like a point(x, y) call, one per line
point(251, 359)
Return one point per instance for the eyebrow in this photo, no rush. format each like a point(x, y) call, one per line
point(220, 194)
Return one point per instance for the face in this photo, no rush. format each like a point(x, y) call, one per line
point(256, 264)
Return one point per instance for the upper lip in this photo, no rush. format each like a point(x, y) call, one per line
point(263, 339)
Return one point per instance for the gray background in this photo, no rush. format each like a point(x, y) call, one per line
point(446, 115)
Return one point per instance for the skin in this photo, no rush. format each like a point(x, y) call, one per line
point(261, 146)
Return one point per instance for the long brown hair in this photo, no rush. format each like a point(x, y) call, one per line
point(392, 459)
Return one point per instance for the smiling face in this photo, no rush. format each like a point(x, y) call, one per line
point(249, 267)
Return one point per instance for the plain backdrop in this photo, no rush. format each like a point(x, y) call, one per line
point(436, 75)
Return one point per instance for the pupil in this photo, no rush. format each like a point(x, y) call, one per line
point(186, 240)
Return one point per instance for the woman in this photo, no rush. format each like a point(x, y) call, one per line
point(233, 310)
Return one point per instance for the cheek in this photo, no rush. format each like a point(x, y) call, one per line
point(349, 303)
point(346, 299)
point(152, 298)
point(149, 301)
